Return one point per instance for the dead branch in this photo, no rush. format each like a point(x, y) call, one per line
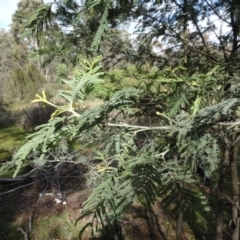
point(25, 233)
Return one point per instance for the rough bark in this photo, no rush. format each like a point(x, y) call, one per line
point(220, 200)
point(179, 226)
point(235, 192)
point(185, 33)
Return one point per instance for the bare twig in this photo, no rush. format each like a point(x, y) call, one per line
point(15, 189)
point(139, 127)
point(30, 223)
point(230, 124)
point(25, 233)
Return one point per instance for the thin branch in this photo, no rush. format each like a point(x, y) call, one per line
point(178, 36)
point(15, 189)
point(25, 233)
point(230, 124)
point(229, 200)
point(142, 128)
point(200, 33)
point(216, 13)
point(219, 39)
point(169, 119)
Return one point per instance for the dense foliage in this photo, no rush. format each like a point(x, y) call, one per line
point(167, 131)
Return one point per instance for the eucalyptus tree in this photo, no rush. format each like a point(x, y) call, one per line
point(13, 56)
point(25, 10)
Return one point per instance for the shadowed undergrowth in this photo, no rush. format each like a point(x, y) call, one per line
point(10, 139)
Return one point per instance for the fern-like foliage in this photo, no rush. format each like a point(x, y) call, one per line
point(40, 20)
point(144, 174)
point(166, 170)
point(130, 162)
point(134, 175)
point(49, 135)
point(182, 199)
point(216, 113)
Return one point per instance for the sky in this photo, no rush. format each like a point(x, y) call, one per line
point(7, 8)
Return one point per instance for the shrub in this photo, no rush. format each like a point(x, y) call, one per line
point(35, 116)
point(6, 117)
point(62, 72)
point(24, 82)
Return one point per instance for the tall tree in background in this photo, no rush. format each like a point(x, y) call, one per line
point(79, 32)
point(188, 25)
point(25, 10)
point(13, 55)
point(19, 78)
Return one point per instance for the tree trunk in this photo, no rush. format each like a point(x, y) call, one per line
point(185, 33)
point(185, 36)
point(46, 72)
point(39, 58)
point(220, 200)
point(179, 226)
point(235, 192)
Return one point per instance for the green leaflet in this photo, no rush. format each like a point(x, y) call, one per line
point(49, 135)
point(196, 105)
point(41, 18)
point(122, 170)
point(103, 24)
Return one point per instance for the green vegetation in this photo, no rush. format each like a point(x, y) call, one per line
point(11, 138)
point(54, 227)
point(145, 122)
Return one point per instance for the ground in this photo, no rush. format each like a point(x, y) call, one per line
point(24, 209)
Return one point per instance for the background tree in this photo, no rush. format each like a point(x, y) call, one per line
point(75, 37)
point(13, 56)
point(21, 16)
point(26, 9)
point(25, 82)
